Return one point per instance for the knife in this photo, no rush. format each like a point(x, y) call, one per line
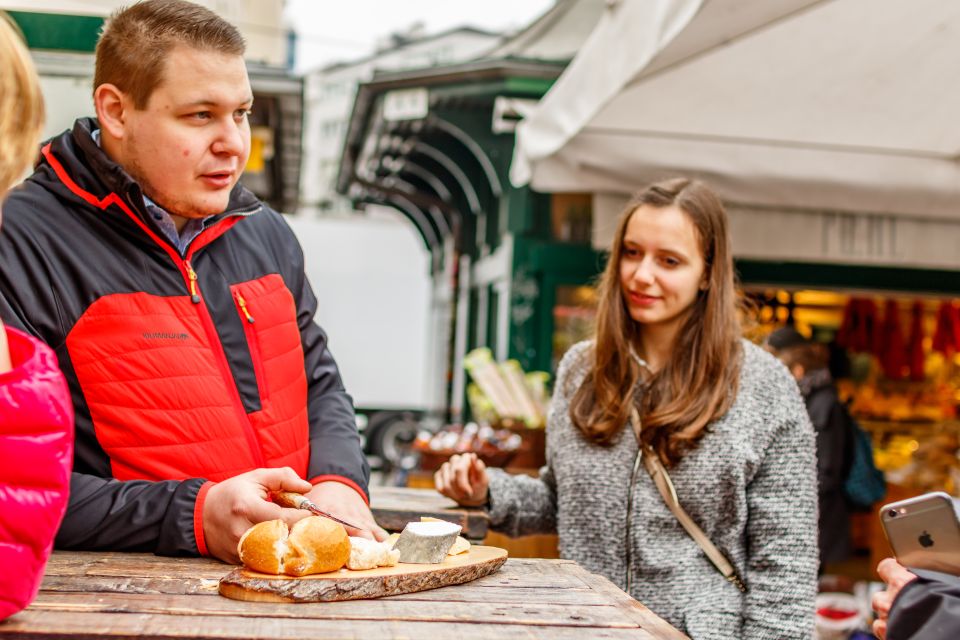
point(300, 501)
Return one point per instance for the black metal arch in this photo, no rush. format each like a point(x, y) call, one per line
point(433, 172)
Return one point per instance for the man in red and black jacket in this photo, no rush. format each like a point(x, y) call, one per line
point(177, 305)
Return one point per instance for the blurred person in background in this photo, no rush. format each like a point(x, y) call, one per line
point(177, 304)
point(668, 382)
point(807, 362)
point(916, 604)
point(36, 414)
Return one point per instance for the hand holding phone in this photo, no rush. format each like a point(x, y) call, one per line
point(924, 532)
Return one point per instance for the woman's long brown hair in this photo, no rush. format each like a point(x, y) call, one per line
point(699, 382)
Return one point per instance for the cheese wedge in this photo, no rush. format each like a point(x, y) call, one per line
point(462, 545)
point(426, 542)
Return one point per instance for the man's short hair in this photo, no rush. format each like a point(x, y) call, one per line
point(136, 40)
point(21, 106)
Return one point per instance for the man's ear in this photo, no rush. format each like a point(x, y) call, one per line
point(112, 107)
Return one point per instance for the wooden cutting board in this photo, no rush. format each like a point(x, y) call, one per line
point(242, 584)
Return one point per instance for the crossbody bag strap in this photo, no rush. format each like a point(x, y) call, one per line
point(667, 491)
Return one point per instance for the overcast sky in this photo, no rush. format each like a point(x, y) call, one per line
point(333, 30)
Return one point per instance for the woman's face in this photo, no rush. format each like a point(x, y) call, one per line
point(661, 265)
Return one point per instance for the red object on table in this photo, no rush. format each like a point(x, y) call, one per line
point(835, 614)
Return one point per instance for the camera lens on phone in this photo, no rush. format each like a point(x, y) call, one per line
point(892, 513)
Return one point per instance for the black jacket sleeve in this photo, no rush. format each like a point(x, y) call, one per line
point(927, 608)
point(101, 513)
point(335, 447)
point(135, 515)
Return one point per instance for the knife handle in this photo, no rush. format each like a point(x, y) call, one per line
point(291, 500)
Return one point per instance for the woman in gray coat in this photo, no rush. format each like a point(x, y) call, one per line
point(723, 416)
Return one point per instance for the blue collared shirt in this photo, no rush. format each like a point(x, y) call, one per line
point(180, 239)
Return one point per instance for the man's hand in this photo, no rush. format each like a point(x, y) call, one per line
point(896, 577)
point(339, 500)
point(236, 504)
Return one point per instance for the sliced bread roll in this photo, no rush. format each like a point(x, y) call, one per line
point(369, 554)
point(263, 546)
point(316, 545)
point(313, 545)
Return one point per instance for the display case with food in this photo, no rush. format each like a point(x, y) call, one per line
point(896, 362)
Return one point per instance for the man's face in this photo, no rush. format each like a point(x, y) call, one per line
point(188, 147)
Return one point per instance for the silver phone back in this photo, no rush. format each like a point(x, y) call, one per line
point(924, 532)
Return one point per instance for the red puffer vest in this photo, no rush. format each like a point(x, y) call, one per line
point(36, 453)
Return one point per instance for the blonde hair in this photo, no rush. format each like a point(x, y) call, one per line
point(21, 106)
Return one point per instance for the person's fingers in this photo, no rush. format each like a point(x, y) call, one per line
point(256, 509)
point(880, 629)
point(360, 533)
point(380, 533)
point(292, 516)
point(456, 491)
point(284, 479)
point(478, 475)
point(439, 478)
point(882, 600)
point(887, 568)
point(367, 525)
point(461, 477)
point(893, 573)
point(446, 474)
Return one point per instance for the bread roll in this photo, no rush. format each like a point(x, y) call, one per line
point(369, 554)
point(316, 545)
point(313, 545)
point(262, 547)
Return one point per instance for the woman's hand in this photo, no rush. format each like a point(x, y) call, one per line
point(464, 479)
point(893, 573)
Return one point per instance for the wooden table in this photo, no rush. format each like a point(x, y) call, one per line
point(394, 507)
point(118, 595)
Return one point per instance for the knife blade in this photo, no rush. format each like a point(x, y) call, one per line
point(300, 501)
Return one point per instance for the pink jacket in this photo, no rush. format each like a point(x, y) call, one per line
point(36, 455)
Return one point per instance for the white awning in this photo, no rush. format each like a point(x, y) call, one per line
point(847, 105)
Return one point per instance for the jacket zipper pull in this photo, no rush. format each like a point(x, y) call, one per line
point(194, 291)
point(243, 308)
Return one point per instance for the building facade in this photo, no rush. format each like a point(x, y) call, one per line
point(329, 95)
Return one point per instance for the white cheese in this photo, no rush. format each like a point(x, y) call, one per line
point(426, 542)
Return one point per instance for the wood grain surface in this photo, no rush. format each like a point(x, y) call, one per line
point(87, 595)
point(243, 584)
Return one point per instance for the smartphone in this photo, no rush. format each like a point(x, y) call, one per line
point(924, 532)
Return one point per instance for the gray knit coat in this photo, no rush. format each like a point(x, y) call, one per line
point(750, 484)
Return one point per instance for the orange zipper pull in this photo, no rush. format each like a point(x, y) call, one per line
point(243, 308)
point(194, 292)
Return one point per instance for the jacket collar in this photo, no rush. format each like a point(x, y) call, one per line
point(92, 170)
